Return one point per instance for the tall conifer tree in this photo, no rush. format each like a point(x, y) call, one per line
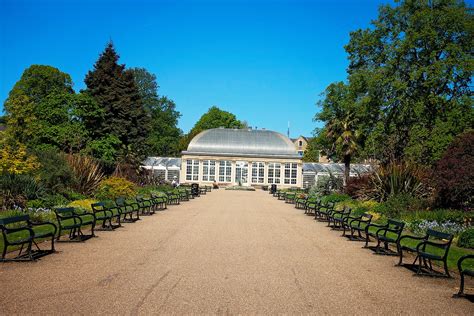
point(115, 91)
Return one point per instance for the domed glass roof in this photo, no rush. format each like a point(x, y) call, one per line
point(242, 142)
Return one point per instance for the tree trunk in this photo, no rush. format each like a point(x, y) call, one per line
point(347, 169)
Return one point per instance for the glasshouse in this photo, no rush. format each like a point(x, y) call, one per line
point(250, 157)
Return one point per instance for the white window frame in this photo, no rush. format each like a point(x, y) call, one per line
point(291, 173)
point(192, 170)
point(225, 171)
point(258, 172)
point(274, 173)
point(208, 170)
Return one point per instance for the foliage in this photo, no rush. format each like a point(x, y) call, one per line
point(164, 136)
point(47, 201)
point(87, 172)
point(83, 205)
point(15, 159)
point(327, 184)
point(466, 238)
point(41, 110)
point(359, 207)
point(399, 203)
point(357, 185)
point(439, 215)
point(395, 179)
point(335, 197)
point(115, 91)
point(414, 66)
point(17, 189)
point(106, 149)
point(213, 118)
point(114, 187)
point(148, 189)
point(55, 172)
point(311, 154)
point(342, 135)
point(453, 174)
point(449, 227)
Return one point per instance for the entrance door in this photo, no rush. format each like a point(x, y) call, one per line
point(242, 172)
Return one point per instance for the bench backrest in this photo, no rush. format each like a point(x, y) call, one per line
point(443, 239)
point(14, 219)
point(64, 211)
point(120, 201)
point(396, 225)
point(99, 206)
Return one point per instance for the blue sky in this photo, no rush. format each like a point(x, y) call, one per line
point(265, 61)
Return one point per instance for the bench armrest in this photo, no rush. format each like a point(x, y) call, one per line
point(460, 261)
point(55, 228)
point(429, 242)
point(411, 237)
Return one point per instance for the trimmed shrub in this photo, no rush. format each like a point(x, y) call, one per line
point(453, 174)
point(114, 187)
point(466, 238)
point(48, 201)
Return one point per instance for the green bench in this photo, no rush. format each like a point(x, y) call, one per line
point(463, 272)
point(434, 246)
point(20, 231)
point(356, 224)
point(106, 215)
point(145, 205)
point(127, 209)
point(388, 233)
point(73, 220)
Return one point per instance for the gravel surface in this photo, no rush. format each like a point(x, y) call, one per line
point(228, 252)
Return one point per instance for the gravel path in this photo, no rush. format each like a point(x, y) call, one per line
point(229, 252)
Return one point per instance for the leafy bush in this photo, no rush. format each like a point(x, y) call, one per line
point(114, 187)
point(15, 159)
point(335, 197)
point(439, 215)
point(453, 174)
point(395, 179)
point(357, 185)
point(17, 189)
point(147, 190)
point(48, 201)
point(359, 207)
point(55, 172)
point(397, 204)
point(87, 172)
point(466, 238)
point(84, 205)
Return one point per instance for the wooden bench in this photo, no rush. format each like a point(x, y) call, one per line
point(389, 233)
point(434, 246)
point(106, 215)
point(18, 231)
point(73, 220)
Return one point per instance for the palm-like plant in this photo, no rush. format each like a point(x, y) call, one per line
point(341, 131)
